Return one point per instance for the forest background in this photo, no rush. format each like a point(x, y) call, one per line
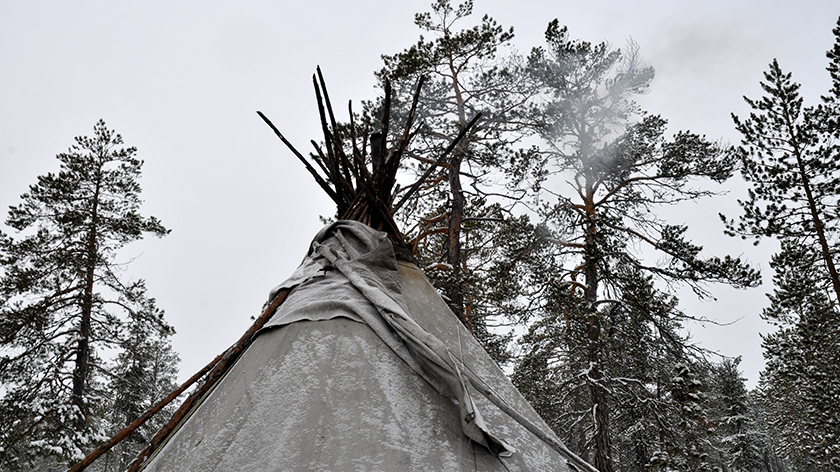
point(182, 85)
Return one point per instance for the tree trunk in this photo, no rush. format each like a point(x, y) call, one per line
point(602, 443)
point(80, 372)
point(453, 256)
point(818, 226)
point(812, 205)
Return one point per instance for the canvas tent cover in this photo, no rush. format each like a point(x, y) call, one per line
point(363, 367)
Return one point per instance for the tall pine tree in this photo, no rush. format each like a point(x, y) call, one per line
point(604, 170)
point(63, 303)
point(453, 219)
point(791, 159)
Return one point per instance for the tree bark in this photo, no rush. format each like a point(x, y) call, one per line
point(453, 256)
point(80, 372)
point(818, 224)
point(812, 204)
point(456, 215)
point(602, 443)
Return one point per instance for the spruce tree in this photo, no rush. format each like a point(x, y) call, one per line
point(143, 373)
point(799, 385)
point(63, 303)
point(742, 444)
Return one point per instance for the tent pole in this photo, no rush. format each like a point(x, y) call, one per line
point(102, 449)
point(561, 448)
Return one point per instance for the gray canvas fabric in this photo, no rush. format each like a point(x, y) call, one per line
point(326, 396)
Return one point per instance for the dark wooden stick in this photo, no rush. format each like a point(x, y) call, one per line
point(320, 159)
point(309, 167)
point(359, 156)
point(356, 154)
point(326, 96)
point(386, 118)
point(406, 137)
point(332, 165)
point(336, 142)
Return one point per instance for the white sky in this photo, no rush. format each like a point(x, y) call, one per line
point(182, 81)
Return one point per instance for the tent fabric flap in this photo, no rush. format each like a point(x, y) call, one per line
point(357, 265)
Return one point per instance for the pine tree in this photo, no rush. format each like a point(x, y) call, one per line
point(619, 168)
point(63, 303)
point(793, 171)
point(144, 373)
point(791, 159)
point(453, 220)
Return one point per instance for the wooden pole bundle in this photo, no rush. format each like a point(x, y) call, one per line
point(361, 193)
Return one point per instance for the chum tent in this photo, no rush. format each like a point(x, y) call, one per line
point(363, 367)
point(356, 362)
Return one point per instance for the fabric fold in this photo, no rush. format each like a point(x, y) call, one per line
point(359, 265)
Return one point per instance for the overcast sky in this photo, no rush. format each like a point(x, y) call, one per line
point(182, 81)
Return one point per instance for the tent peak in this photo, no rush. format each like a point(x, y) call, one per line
point(363, 184)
